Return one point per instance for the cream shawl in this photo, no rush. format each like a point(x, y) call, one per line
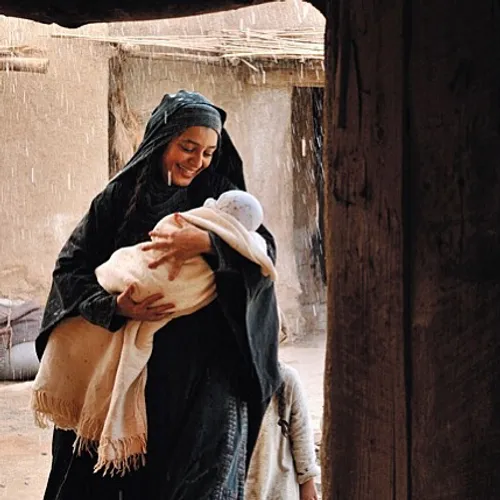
point(92, 381)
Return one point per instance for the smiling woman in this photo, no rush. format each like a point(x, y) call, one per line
point(187, 155)
point(211, 373)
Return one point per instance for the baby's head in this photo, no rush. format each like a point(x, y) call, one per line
point(242, 206)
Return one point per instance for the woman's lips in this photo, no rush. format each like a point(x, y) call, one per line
point(187, 172)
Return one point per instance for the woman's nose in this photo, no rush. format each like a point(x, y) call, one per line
point(197, 160)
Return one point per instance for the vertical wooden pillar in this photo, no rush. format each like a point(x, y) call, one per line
point(364, 441)
point(454, 120)
point(413, 250)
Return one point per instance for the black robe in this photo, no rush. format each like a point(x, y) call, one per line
point(210, 376)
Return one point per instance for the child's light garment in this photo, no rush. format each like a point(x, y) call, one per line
point(280, 464)
point(92, 382)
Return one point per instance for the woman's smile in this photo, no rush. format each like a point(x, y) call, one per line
point(188, 171)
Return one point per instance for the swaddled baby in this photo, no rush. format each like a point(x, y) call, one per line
point(234, 217)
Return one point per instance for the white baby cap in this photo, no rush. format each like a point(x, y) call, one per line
point(243, 206)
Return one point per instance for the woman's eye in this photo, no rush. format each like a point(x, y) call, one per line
point(187, 150)
point(209, 155)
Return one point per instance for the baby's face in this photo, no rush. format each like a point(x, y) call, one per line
point(243, 206)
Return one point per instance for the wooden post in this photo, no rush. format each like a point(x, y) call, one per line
point(364, 446)
point(413, 250)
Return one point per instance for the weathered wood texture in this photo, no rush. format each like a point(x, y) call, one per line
point(364, 442)
point(454, 112)
point(413, 218)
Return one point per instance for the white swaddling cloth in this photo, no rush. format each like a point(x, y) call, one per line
point(195, 284)
point(92, 381)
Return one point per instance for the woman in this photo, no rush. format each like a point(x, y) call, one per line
point(211, 374)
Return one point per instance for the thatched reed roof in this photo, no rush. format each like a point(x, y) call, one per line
point(227, 45)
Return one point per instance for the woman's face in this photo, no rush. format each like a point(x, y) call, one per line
point(189, 154)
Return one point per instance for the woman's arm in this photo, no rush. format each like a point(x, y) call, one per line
point(189, 241)
point(75, 289)
point(186, 242)
point(91, 244)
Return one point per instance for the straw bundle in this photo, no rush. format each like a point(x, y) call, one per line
point(292, 45)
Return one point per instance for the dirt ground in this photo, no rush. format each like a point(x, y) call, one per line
point(25, 449)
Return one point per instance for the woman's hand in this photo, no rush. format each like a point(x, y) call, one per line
point(178, 246)
point(144, 310)
point(308, 491)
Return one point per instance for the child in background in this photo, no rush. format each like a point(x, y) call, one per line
point(283, 464)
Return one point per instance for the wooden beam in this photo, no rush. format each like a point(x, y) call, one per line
point(24, 64)
point(297, 77)
point(364, 447)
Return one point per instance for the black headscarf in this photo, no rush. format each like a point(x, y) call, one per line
point(177, 112)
